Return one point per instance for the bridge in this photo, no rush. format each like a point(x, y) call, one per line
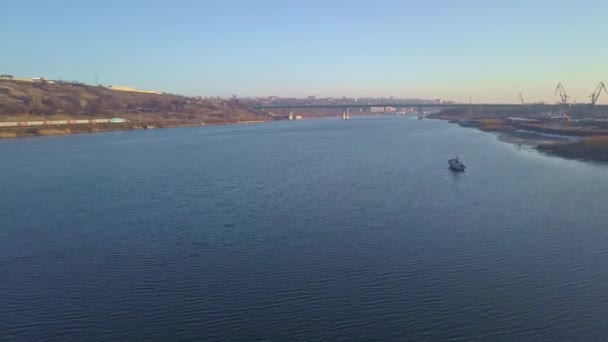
point(412, 105)
point(430, 105)
point(560, 107)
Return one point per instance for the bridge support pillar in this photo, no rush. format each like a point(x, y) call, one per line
point(346, 114)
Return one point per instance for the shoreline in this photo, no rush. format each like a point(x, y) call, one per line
point(55, 130)
point(46, 131)
point(565, 142)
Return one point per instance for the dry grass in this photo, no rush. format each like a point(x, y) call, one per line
point(52, 131)
point(21, 101)
point(493, 124)
point(591, 148)
point(564, 130)
point(596, 139)
point(6, 135)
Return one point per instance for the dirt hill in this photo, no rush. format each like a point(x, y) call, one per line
point(21, 101)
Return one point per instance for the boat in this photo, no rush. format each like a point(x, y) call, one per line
point(456, 164)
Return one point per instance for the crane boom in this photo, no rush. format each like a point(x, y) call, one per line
point(598, 91)
point(562, 93)
point(521, 98)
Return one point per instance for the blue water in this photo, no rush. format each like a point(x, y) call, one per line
point(308, 230)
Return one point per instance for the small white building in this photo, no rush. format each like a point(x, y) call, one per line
point(134, 90)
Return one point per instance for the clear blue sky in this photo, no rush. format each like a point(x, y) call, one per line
point(450, 49)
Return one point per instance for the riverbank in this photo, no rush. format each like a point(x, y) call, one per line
point(24, 132)
point(588, 148)
point(571, 142)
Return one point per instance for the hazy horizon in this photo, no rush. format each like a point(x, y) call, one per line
point(490, 52)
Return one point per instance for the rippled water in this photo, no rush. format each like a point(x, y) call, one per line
point(308, 230)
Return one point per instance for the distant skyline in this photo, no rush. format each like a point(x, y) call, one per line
point(487, 50)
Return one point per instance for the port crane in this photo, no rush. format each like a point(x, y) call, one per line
point(597, 92)
point(562, 93)
point(521, 98)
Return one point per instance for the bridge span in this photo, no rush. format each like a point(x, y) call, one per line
point(346, 107)
point(427, 105)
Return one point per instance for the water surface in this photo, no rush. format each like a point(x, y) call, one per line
point(307, 230)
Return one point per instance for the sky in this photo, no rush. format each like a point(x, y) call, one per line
point(452, 49)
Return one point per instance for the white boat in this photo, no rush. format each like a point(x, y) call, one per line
point(456, 164)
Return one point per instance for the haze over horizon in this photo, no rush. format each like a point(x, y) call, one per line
point(410, 49)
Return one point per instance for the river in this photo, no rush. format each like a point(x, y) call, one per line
point(304, 230)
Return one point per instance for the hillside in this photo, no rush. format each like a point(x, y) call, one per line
point(22, 101)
